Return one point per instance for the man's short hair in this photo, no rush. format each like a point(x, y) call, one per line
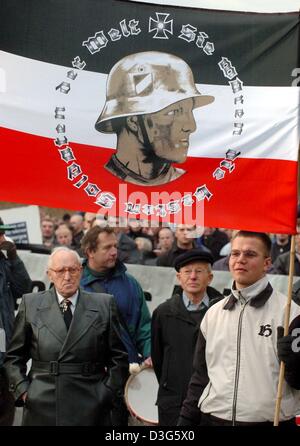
point(90, 239)
point(262, 236)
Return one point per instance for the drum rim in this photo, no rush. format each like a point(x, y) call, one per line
point(132, 412)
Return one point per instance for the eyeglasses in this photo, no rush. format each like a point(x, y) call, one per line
point(198, 272)
point(247, 254)
point(73, 271)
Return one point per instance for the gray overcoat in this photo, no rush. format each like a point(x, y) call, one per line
point(75, 375)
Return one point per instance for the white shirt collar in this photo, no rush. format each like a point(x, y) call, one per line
point(73, 299)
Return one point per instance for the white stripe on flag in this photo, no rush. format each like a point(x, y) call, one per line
point(271, 126)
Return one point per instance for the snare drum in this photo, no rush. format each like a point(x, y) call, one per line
point(140, 396)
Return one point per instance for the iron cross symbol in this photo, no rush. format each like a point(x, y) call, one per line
point(161, 26)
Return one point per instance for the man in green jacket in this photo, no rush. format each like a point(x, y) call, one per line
point(103, 272)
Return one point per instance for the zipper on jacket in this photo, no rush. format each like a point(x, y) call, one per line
point(238, 361)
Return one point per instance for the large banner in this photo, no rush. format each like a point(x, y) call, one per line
point(153, 112)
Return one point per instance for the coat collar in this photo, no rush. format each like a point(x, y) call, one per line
point(177, 308)
point(84, 316)
point(256, 302)
point(87, 277)
point(50, 314)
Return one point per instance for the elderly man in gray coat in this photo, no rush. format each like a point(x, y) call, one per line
point(79, 364)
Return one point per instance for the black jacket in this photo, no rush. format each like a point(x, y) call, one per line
point(174, 336)
point(14, 281)
point(127, 250)
point(282, 265)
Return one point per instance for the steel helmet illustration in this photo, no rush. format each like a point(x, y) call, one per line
point(147, 82)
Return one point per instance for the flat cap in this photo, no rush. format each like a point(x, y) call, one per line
point(192, 255)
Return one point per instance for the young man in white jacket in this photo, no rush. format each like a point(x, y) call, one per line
point(239, 348)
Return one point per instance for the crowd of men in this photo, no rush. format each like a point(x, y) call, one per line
point(216, 358)
point(159, 245)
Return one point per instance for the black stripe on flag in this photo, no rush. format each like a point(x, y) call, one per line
point(54, 31)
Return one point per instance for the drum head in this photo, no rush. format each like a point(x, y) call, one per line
point(141, 394)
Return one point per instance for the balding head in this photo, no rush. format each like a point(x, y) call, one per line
point(64, 270)
point(76, 223)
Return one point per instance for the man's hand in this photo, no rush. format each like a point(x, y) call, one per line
point(9, 247)
point(148, 362)
point(284, 348)
point(134, 368)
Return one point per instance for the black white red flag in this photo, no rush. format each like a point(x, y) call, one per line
point(147, 111)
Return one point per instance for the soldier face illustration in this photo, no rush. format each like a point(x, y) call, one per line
point(169, 131)
point(150, 98)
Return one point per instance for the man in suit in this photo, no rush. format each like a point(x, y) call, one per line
point(78, 358)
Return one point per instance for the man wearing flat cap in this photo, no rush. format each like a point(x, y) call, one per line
point(175, 327)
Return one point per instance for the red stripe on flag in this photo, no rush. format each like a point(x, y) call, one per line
point(259, 194)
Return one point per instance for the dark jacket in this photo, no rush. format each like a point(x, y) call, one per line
point(277, 250)
point(127, 250)
point(215, 242)
point(221, 264)
point(296, 292)
point(174, 336)
point(75, 374)
point(14, 282)
point(76, 241)
point(282, 265)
